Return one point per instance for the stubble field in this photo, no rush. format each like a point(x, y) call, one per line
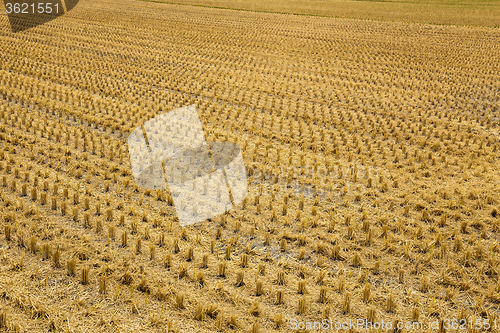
point(456, 12)
point(371, 150)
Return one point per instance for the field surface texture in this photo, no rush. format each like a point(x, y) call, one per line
point(371, 149)
point(454, 12)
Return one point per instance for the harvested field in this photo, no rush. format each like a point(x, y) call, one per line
point(372, 155)
point(455, 12)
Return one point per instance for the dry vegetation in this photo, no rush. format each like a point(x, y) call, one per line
point(372, 153)
point(456, 12)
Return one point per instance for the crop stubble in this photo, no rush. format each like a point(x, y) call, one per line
point(372, 152)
